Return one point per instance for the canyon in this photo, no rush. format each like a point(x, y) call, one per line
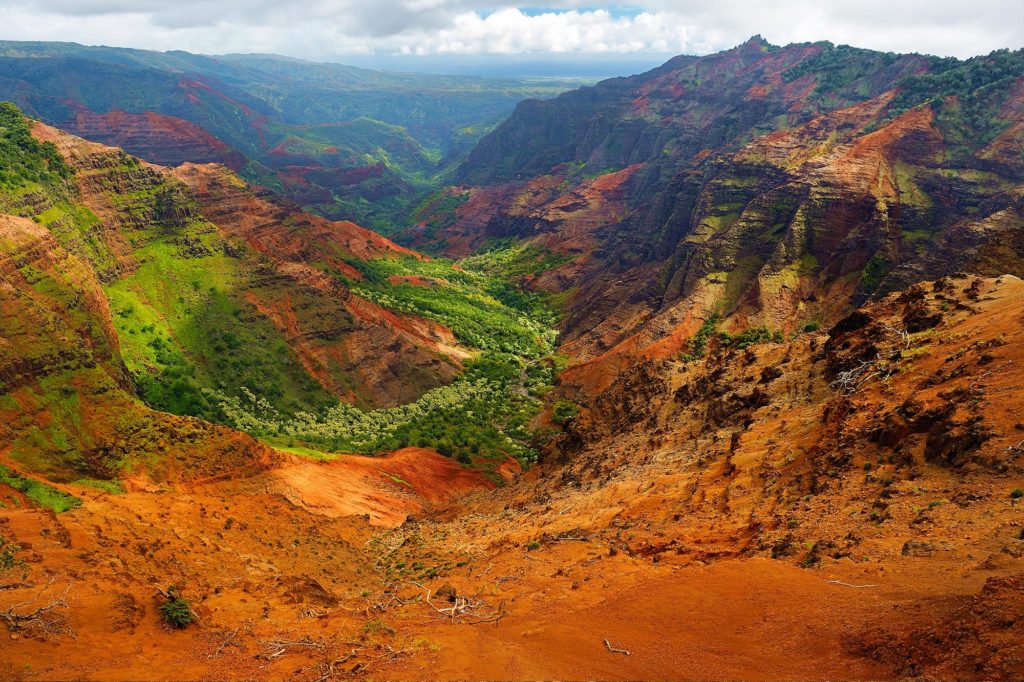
point(713, 372)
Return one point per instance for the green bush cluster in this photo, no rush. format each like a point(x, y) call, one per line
point(874, 271)
point(483, 309)
point(980, 85)
point(699, 342)
point(176, 610)
point(563, 410)
point(742, 341)
point(510, 260)
point(484, 415)
point(9, 556)
point(23, 159)
point(837, 66)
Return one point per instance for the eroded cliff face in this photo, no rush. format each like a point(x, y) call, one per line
point(201, 229)
point(159, 138)
point(776, 187)
point(48, 330)
point(69, 411)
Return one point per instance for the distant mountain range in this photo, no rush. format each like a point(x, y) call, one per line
point(347, 142)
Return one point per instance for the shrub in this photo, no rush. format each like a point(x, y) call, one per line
point(563, 410)
point(699, 342)
point(8, 556)
point(176, 610)
point(1016, 493)
point(377, 626)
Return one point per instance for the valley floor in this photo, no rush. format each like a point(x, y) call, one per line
point(283, 594)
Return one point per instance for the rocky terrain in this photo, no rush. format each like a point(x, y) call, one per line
point(862, 523)
point(775, 186)
point(778, 436)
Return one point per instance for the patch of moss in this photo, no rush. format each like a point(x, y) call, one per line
point(40, 493)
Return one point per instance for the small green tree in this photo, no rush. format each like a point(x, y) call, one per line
point(176, 610)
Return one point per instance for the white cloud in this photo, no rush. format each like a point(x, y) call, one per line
point(511, 31)
point(330, 29)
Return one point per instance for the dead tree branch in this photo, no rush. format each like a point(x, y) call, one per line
point(615, 650)
point(43, 619)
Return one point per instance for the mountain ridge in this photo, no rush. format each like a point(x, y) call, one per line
point(766, 226)
point(266, 117)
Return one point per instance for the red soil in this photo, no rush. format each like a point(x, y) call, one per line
point(386, 489)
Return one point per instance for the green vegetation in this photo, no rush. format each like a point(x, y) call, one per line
point(39, 493)
point(112, 487)
point(182, 315)
point(876, 269)
point(510, 260)
point(563, 410)
point(377, 627)
point(1016, 493)
point(838, 66)
point(979, 86)
point(23, 159)
point(742, 341)
point(438, 211)
point(195, 343)
point(176, 610)
point(9, 559)
point(967, 95)
point(699, 342)
point(749, 337)
point(484, 310)
point(481, 418)
point(185, 325)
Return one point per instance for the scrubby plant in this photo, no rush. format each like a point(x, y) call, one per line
point(563, 410)
point(699, 342)
point(9, 559)
point(175, 609)
point(377, 626)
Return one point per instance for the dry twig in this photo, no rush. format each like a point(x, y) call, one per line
point(840, 582)
point(42, 619)
point(615, 650)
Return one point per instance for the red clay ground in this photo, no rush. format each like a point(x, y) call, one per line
point(714, 535)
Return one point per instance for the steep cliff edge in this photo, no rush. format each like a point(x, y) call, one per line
point(196, 261)
point(68, 410)
point(775, 187)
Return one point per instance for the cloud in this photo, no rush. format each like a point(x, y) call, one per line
point(331, 29)
point(511, 31)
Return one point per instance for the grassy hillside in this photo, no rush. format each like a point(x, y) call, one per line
point(263, 330)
